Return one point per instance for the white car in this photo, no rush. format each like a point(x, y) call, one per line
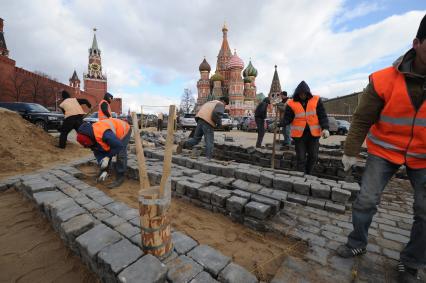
point(226, 122)
point(93, 118)
point(188, 121)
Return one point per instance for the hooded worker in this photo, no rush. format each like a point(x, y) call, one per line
point(308, 122)
point(71, 107)
point(104, 111)
point(107, 138)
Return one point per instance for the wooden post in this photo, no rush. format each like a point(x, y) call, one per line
point(143, 174)
point(275, 136)
point(168, 151)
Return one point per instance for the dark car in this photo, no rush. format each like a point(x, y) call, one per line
point(36, 114)
point(241, 122)
point(343, 127)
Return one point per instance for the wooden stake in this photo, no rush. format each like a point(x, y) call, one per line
point(143, 174)
point(275, 136)
point(168, 151)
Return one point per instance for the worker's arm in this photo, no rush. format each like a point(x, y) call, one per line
point(104, 109)
point(114, 143)
point(288, 117)
point(82, 101)
point(322, 115)
point(366, 114)
point(218, 113)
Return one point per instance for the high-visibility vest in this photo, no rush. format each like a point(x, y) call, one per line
point(301, 117)
point(399, 135)
point(206, 111)
point(101, 114)
point(119, 127)
point(71, 107)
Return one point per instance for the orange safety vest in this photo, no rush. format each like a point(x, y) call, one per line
point(119, 127)
point(399, 135)
point(101, 115)
point(301, 117)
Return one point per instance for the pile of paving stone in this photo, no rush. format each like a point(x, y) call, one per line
point(229, 188)
point(105, 233)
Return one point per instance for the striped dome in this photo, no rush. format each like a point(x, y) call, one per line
point(250, 71)
point(235, 62)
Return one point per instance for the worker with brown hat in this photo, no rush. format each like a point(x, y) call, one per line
point(208, 117)
point(392, 115)
point(107, 138)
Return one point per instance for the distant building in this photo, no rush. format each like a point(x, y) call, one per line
point(227, 81)
point(18, 84)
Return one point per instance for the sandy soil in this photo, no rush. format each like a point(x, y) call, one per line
point(258, 252)
point(30, 249)
point(25, 148)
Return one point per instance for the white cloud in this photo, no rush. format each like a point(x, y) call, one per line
point(362, 9)
point(170, 39)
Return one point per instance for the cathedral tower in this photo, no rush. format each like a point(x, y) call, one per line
point(223, 58)
point(236, 85)
point(95, 82)
point(203, 84)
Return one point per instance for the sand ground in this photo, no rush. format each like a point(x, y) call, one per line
point(260, 253)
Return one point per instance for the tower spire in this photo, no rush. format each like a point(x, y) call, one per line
point(94, 42)
point(3, 47)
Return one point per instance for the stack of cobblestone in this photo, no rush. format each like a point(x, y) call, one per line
point(106, 233)
point(268, 186)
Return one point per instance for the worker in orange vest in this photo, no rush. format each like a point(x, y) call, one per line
point(107, 138)
point(308, 122)
point(392, 115)
point(104, 109)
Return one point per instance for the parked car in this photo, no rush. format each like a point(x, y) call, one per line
point(332, 125)
point(241, 122)
point(343, 127)
point(93, 118)
point(250, 125)
point(226, 122)
point(36, 114)
point(235, 123)
point(188, 121)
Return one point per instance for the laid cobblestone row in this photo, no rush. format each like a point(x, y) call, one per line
point(106, 233)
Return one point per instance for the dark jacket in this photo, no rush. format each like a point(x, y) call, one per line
point(108, 137)
point(371, 105)
point(261, 109)
point(104, 108)
point(289, 113)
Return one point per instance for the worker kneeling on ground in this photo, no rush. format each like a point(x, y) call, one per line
point(392, 115)
point(308, 121)
point(107, 138)
point(208, 117)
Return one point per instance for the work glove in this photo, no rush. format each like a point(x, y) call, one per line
point(104, 163)
point(103, 176)
point(348, 162)
point(325, 134)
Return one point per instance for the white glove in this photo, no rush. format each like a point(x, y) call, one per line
point(348, 162)
point(104, 163)
point(325, 134)
point(103, 176)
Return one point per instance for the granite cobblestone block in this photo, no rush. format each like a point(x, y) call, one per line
point(235, 204)
point(257, 210)
point(212, 260)
point(274, 204)
point(234, 273)
point(183, 243)
point(183, 269)
point(339, 195)
point(147, 269)
point(219, 197)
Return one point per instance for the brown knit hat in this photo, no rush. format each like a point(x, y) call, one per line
point(421, 32)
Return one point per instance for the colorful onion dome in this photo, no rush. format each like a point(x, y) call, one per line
point(204, 66)
point(250, 71)
point(235, 62)
point(216, 77)
point(247, 80)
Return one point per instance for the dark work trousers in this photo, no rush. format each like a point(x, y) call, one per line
point(159, 125)
point(203, 129)
point(70, 123)
point(307, 148)
point(260, 123)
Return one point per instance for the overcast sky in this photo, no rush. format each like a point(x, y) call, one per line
point(151, 50)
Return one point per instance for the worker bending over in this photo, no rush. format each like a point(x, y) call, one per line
point(107, 138)
point(308, 121)
point(392, 115)
point(74, 113)
point(208, 117)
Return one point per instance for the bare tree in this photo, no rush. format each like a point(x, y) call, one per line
point(18, 84)
point(38, 85)
point(187, 103)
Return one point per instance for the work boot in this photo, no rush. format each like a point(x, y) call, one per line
point(407, 274)
point(118, 181)
point(346, 252)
